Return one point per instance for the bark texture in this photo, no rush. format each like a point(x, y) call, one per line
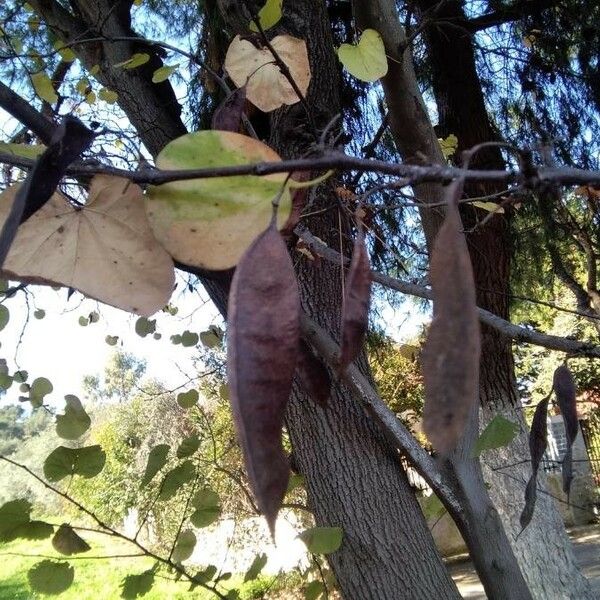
point(462, 112)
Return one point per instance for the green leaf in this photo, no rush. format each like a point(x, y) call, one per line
point(163, 73)
point(108, 95)
point(144, 326)
point(111, 340)
point(39, 313)
point(176, 339)
point(208, 508)
point(189, 339)
point(295, 481)
point(26, 150)
point(66, 54)
point(63, 461)
point(188, 446)
point(206, 575)
point(34, 530)
point(366, 60)
point(322, 540)
point(448, 145)
point(184, 546)
point(210, 339)
point(75, 422)
point(432, 507)
point(12, 515)
point(137, 60)
point(50, 577)
point(258, 564)
point(83, 321)
point(499, 433)
point(137, 585)
point(5, 381)
point(224, 392)
point(209, 223)
point(43, 87)
point(175, 479)
point(4, 316)
point(20, 376)
point(313, 590)
point(188, 399)
point(270, 14)
point(67, 542)
point(157, 458)
point(40, 387)
point(94, 317)
point(83, 86)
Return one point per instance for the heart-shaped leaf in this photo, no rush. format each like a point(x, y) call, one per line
point(75, 422)
point(157, 459)
point(50, 577)
point(106, 249)
point(209, 223)
point(266, 86)
point(208, 508)
point(366, 60)
point(184, 546)
point(322, 540)
point(63, 461)
point(175, 479)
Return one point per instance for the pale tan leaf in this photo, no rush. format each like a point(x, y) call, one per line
point(266, 86)
point(106, 250)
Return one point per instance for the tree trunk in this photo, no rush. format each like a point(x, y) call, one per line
point(354, 476)
point(462, 112)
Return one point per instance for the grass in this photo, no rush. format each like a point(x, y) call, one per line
point(95, 579)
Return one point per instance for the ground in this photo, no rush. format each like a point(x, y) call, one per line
point(586, 542)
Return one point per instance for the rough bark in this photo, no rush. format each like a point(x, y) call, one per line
point(462, 112)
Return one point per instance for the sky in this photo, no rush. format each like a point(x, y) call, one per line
point(59, 348)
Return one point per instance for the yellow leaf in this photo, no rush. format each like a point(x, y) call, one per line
point(266, 87)
point(448, 145)
point(163, 73)
point(137, 60)
point(366, 60)
point(108, 95)
point(270, 14)
point(489, 206)
point(210, 222)
point(43, 87)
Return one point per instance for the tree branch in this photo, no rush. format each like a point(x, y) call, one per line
point(393, 428)
point(22, 110)
point(515, 332)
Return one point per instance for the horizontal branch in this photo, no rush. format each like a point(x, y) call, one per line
point(333, 160)
point(515, 332)
point(392, 427)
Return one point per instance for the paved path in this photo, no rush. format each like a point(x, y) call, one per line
point(586, 542)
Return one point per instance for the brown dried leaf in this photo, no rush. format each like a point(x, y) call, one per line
point(105, 249)
point(267, 86)
point(451, 353)
point(228, 116)
point(313, 375)
point(566, 394)
point(262, 349)
point(355, 309)
point(538, 440)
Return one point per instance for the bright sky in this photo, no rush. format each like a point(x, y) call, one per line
point(58, 348)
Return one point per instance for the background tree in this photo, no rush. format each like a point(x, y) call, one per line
point(357, 457)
